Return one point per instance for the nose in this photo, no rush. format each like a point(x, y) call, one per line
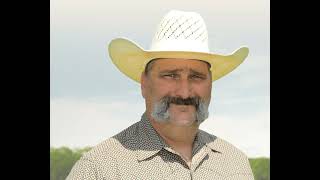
point(183, 88)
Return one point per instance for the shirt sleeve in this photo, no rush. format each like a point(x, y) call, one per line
point(247, 172)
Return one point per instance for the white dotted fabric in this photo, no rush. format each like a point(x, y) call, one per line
point(139, 152)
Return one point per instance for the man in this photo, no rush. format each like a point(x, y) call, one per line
point(176, 77)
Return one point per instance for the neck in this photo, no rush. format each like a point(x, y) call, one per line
point(179, 138)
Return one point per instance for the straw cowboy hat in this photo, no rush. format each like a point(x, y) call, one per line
point(179, 35)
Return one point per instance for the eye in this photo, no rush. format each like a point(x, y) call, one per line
point(171, 76)
point(197, 77)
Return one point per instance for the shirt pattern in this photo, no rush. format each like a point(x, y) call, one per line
point(138, 152)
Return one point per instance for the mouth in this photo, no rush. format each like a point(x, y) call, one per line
point(182, 107)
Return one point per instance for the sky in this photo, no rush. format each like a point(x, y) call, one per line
point(91, 100)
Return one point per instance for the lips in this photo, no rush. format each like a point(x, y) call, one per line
point(183, 108)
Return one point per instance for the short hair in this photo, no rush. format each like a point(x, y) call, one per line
point(149, 66)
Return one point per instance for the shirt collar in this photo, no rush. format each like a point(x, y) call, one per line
point(209, 140)
point(150, 142)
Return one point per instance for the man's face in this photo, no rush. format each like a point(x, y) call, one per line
point(177, 90)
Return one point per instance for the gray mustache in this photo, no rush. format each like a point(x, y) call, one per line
point(161, 114)
point(181, 101)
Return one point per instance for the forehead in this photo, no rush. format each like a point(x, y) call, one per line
point(186, 64)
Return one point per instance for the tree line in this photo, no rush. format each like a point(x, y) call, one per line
point(62, 160)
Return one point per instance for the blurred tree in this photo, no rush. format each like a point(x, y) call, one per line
point(260, 168)
point(62, 160)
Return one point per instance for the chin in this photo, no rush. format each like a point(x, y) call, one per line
point(183, 119)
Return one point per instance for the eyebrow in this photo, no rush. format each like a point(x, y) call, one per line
point(171, 71)
point(179, 70)
point(197, 72)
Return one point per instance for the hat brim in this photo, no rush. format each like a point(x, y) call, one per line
point(131, 59)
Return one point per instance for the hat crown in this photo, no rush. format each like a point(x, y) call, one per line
point(181, 31)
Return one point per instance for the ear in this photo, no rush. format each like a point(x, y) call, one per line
point(144, 82)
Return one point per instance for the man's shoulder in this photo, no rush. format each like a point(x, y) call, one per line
point(220, 145)
point(115, 145)
point(228, 158)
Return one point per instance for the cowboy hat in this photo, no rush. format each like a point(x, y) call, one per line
point(180, 35)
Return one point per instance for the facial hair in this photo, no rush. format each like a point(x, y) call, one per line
point(161, 113)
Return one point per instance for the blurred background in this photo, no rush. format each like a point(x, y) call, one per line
point(90, 100)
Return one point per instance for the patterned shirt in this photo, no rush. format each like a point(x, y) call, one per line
point(138, 152)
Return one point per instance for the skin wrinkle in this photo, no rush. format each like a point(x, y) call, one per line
point(150, 64)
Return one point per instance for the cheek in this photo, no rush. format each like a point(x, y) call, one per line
point(163, 87)
point(203, 91)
